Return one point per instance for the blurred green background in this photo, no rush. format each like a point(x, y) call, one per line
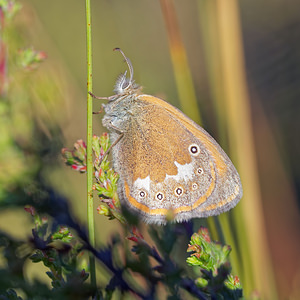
point(239, 59)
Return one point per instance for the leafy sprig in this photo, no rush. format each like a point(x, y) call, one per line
point(212, 259)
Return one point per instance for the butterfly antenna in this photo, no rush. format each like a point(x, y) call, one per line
point(127, 60)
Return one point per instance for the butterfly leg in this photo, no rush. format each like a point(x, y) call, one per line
point(113, 144)
point(98, 112)
point(101, 98)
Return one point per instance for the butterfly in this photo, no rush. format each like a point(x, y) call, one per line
point(166, 162)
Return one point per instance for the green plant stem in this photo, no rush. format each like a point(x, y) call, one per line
point(89, 155)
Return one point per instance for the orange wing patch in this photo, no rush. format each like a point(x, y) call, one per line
point(206, 139)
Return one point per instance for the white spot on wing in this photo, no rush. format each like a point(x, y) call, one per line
point(185, 172)
point(143, 183)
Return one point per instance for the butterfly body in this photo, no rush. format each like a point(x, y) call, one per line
point(166, 162)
